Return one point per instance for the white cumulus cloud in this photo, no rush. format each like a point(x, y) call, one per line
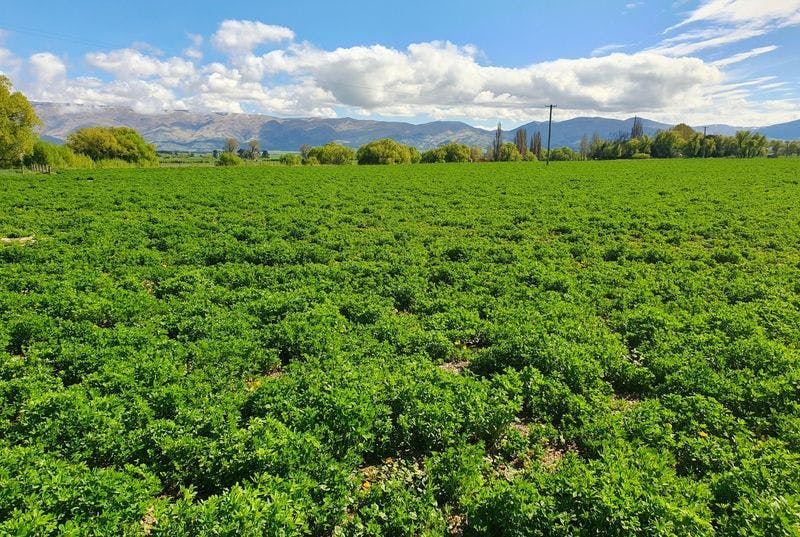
point(238, 36)
point(47, 68)
point(194, 51)
point(130, 64)
point(436, 76)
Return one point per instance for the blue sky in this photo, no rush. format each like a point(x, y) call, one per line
point(700, 61)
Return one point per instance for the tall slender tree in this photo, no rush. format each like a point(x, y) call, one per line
point(536, 144)
point(637, 130)
point(498, 141)
point(521, 141)
point(584, 148)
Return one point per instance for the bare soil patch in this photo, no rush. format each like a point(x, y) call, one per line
point(21, 241)
point(454, 367)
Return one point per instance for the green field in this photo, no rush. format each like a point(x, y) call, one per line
point(593, 348)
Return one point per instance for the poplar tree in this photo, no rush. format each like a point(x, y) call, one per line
point(498, 141)
point(521, 141)
point(536, 145)
point(637, 131)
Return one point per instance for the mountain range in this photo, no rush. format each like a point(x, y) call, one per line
point(203, 132)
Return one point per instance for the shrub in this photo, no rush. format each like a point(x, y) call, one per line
point(385, 151)
point(332, 153)
point(57, 156)
point(451, 152)
point(564, 153)
point(108, 143)
point(509, 153)
point(291, 159)
point(229, 159)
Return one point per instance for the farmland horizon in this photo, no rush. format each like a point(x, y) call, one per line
point(205, 132)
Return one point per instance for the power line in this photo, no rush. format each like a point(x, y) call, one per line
point(35, 32)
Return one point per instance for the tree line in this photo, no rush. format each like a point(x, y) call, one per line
point(682, 141)
point(233, 155)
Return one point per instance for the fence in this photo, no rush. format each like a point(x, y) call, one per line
point(40, 168)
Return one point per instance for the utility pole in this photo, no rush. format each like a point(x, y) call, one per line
point(549, 131)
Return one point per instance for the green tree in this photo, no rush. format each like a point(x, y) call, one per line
point(709, 146)
point(750, 144)
point(385, 151)
point(637, 130)
point(521, 141)
point(668, 144)
point(595, 146)
point(536, 145)
point(107, 143)
point(332, 153)
point(18, 124)
point(645, 144)
point(475, 154)
point(684, 131)
point(433, 156)
point(584, 147)
point(508, 153)
point(452, 152)
point(498, 141)
point(564, 153)
point(693, 146)
point(229, 159)
point(291, 159)
point(57, 156)
point(777, 147)
point(721, 146)
point(630, 148)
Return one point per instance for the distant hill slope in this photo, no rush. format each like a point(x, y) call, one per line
point(782, 131)
point(185, 131)
point(204, 132)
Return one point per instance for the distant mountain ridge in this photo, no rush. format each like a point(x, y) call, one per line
point(203, 132)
